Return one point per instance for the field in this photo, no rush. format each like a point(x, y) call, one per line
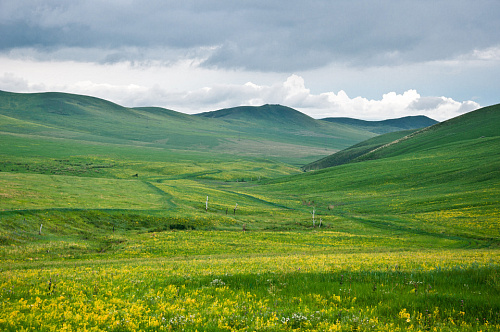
point(105, 234)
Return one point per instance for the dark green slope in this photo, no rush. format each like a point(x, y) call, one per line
point(484, 122)
point(93, 119)
point(442, 181)
point(478, 124)
point(386, 126)
point(164, 113)
point(355, 151)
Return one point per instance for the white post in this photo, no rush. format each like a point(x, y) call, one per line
point(206, 205)
point(320, 221)
point(40, 230)
point(314, 221)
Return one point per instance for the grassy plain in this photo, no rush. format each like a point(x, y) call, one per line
point(407, 242)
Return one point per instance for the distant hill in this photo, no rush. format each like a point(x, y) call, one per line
point(387, 126)
point(481, 123)
point(87, 118)
point(269, 131)
point(269, 114)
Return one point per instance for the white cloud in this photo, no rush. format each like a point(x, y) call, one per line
point(9, 81)
point(292, 93)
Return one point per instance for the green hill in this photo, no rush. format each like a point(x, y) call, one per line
point(93, 119)
point(269, 114)
point(285, 125)
point(147, 219)
point(476, 125)
point(347, 155)
point(65, 151)
point(387, 126)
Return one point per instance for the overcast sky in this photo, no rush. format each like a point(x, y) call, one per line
point(363, 59)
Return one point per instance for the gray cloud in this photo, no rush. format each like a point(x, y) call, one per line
point(257, 35)
point(426, 103)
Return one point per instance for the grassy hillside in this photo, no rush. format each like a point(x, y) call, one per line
point(402, 190)
point(92, 119)
point(479, 124)
point(355, 151)
point(386, 126)
point(267, 114)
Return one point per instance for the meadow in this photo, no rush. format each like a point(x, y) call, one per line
point(110, 234)
point(262, 281)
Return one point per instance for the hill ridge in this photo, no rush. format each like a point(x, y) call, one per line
point(472, 125)
point(268, 112)
point(269, 130)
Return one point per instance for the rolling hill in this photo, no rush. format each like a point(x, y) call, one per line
point(271, 115)
point(279, 126)
point(269, 131)
point(480, 124)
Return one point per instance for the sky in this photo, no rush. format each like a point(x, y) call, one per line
point(363, 59)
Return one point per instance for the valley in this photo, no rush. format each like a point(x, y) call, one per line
point(242, 219)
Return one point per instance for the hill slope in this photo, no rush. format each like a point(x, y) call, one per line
point(268, 114)
point(88, 118)
point(478, 124)
point(475, 124)
point(355, 151)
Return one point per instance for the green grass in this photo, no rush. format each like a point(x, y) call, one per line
point(452, 190)
point(482, 123)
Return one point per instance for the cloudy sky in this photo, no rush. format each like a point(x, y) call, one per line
point(357, 58)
